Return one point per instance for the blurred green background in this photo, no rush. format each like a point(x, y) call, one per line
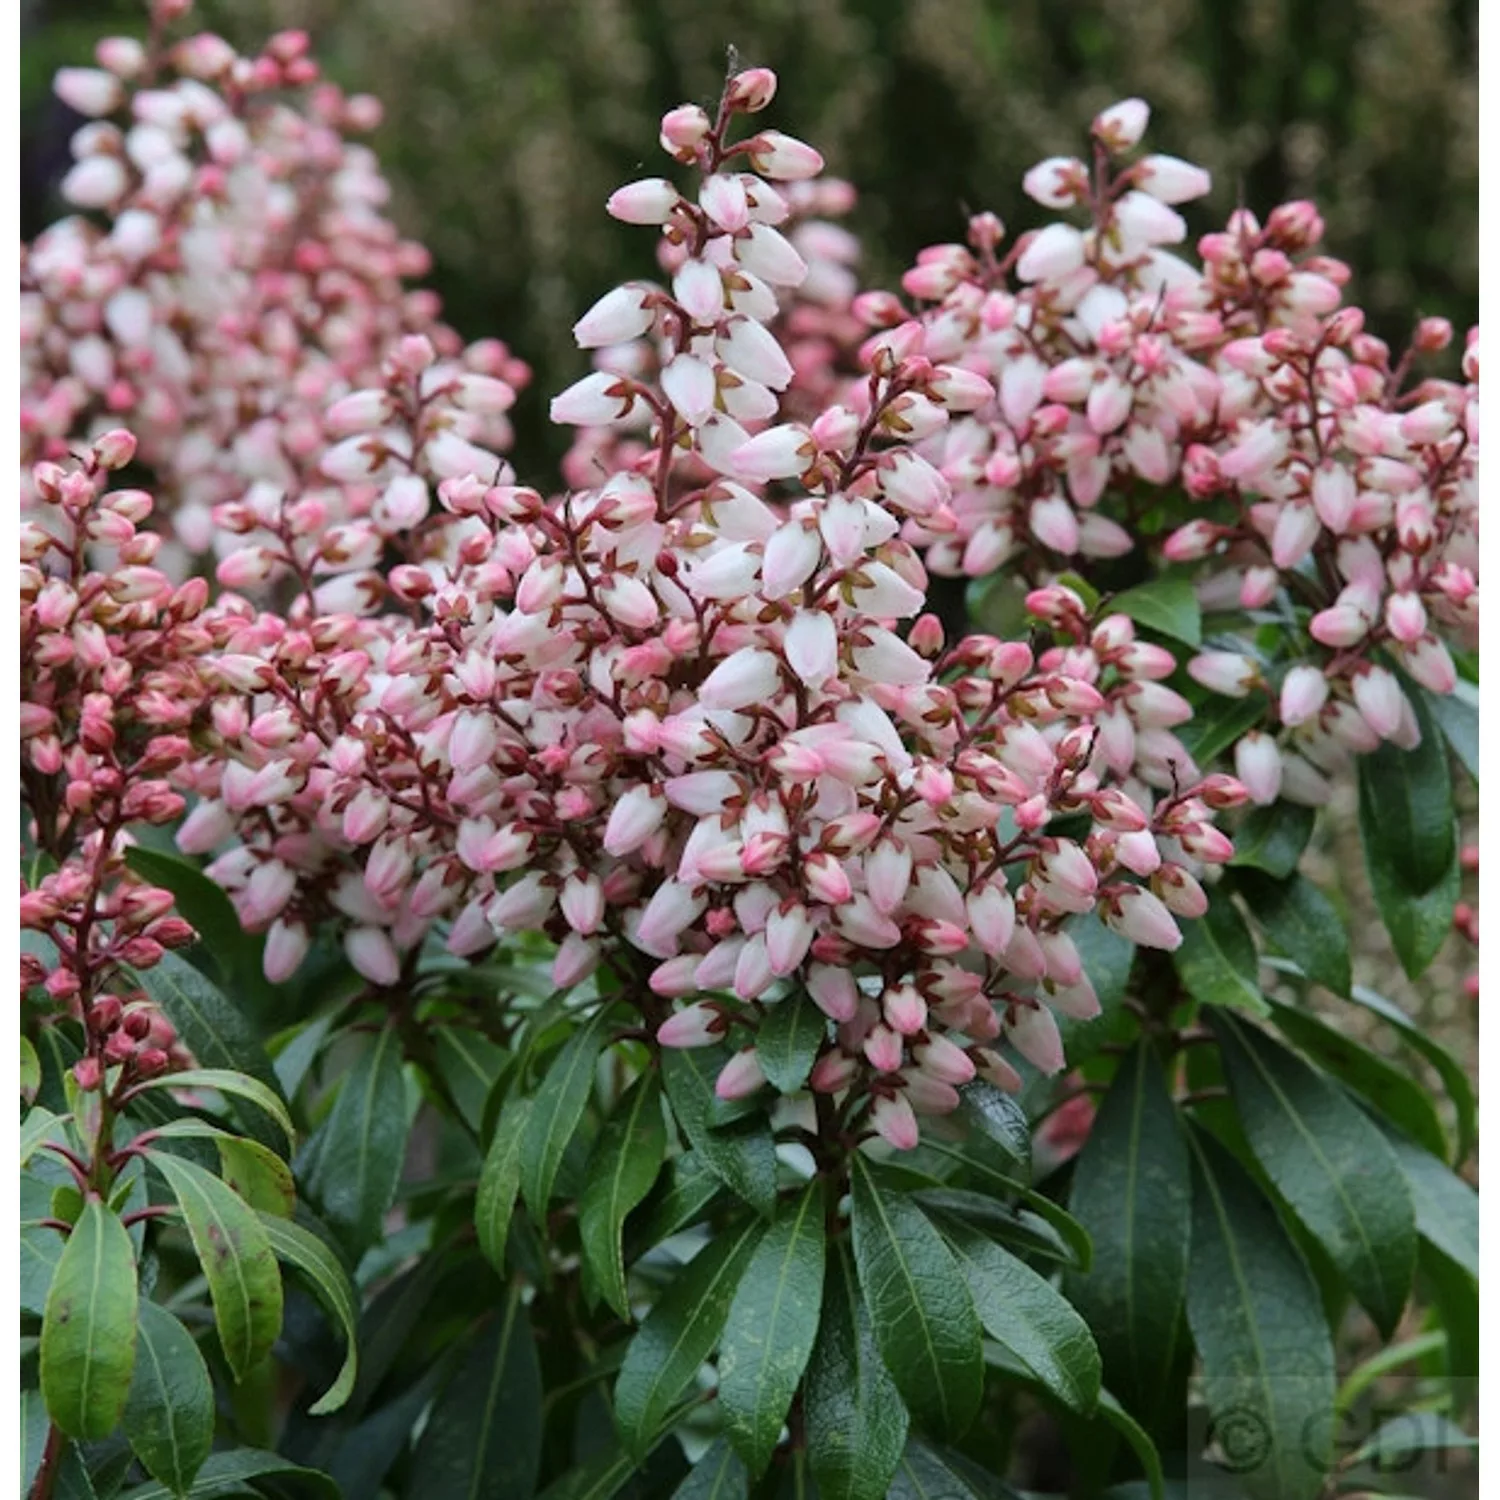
point(508, 122)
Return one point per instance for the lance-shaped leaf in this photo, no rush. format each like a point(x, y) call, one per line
point(772, 1323)
point(920, 1308)
point(229, 1473)
point(557, 1109)
point(169, 1415)
point(1168, 605)
point(332, 1287)
point(257, 1174)
point(927, 1473)
point(1132, 1191)
point(89, 1327)
point(622, 1168)
point(718, 1475)
point(1258, 1324)
point(1330, 1164)
point(678, 1334)
point(1406, 808)
point(227, 1081)
point(362, 1145)
point(499, 1182)
point(1000, 1136)
point(469, 1064)
point(856, 1419)
point(235, 1253)
point(741, 1151)
point(1024, 1312)
point(1457, 714)
point(1272, 838)
point(788, 1041)
point(1301, 921)
point(1217, 962)
point(1447, 1208)
point(483, 1440)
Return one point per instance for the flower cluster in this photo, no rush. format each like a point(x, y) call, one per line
point(110, 690)
point(686, 729)
point(231, 272)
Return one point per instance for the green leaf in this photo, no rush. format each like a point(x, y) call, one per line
point(38, 1126)
point(557, 1110)
point(602, 1476)
point(1330, 1164)
point(926, 1473)
point(500, 1181)
point(33, 1426)
point(924, 1319)
point(1394, 1093)
point(788, 1041)
point(1457, 714)
point(1446, 1207)
point(1418, 925)
point(169, 1416)
point(1139, 1440)
point(483, 1440)
point(257, 1174)
point(742, 1153)
point(1218, 722)
point(1301, 921)
point(225, 1474)
point(362, 1145)
point(1217, 961)
point(718, 1475)
point(226, 1081)
point(772, 1323)
point(1167, 605)
point(1406, 809)
point(999, 1132)
point(31, 1070)
point(89, 1328)
point(680, 1198)
point(235, 1253)
point(678, 1334)
point(1017, 1228)
point(1132, 1191)
point(1024, 1312)
point(1272, 838)
point(855, 1418)
point(297, 1247)
point(1258, 1324)
point(622, 1168)
point(469, 1063)
point(1392, 1445)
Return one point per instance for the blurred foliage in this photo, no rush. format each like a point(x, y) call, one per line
point(508, 122)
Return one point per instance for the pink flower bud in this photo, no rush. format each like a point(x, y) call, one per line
point(649, 201)
point(1226, 672)
point(1032, 1031)
point(1379, 699)
point(1169, 179)
point(616, 317)
point(1122, 125)
point(1138, 915)
point(741, 1076)
point(698, 1025)
point(1058, 182)
point(1257, 763)
point(783, 158)
point(778, 453)
point(895, 1122)
point(371, 952)
point(832, 1073)
point(1304, 690)
point(1051, 253)
point(904, 1009)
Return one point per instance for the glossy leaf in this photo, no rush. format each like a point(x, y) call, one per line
point(1272, 838)
point(1418, 925)
point(741, 1152)
point(298, 1247)
point(228, 1081)
point(1024, 1312)
point(1257, 1321)
point(718, 1475)
point(788, 1041)
point(1446, 1207)
point(1217, 723)
point(483, 1440)
point(622, 1168)
point(678, 1334)
point(469, 1064)
point(32, 1430)
point(1457, 715)
point(922, 1313)
point(927, 1473)
point(1000, 1135)
point(771, 1326)
point(169, 1416)
point(88, 1340)
point(1301, 921)
point(235, 1252)
point(1406, 809)
point(229, 1473)
point(855, 1418)
point(31, 1070)
point(361, 1146)
point(1217, 962)
point(1167, 605)
point(1330, 1164)
point(557, 1109)
point(500, 1181)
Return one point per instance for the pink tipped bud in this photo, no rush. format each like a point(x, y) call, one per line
point(1257, 763)
point(1122, 125)
point(741, 1076)
point(1138, 915)
point(1226, 672)
point(1304, 691)
point(783, 158)
point(944, 1060)
point(373, 955)
point(1379, 699)
point(895, 1122)
point(698, 1025)
point(649, 201)
point(1032, 1031)
point(833, 991)
point(904, 1009)
point(751, 91)
point(884, 1049)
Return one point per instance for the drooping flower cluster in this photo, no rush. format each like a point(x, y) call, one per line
point(690, 731)
point(231, 271)
point(110, 689)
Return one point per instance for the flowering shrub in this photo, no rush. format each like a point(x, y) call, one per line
point(638, 938)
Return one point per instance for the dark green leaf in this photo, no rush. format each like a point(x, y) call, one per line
point(1024, 1232)
point(1301, 921)
point(34, 1426)
point(1023, 1311)
point(1218, 722)
point(999, 1133)
point(1273, 838)
point(235, 1253)
point(362, 1145)
point(1217, 962)
point(1258, 1323)
point(499, 1182)
point(1395, 1093)
point(923, 1315)
point(718, 1475)
point(1446, 1207)
point(681, 1196)
point(31, 1070)
point(1139, 1440)
point(1329, 1163)
point(1397, 1441)
point(926, 1473)
point(483, 1440)
point(1406, 810)
point(788, 1041)
point(855, 1418)
point(622, 1168)
point(1418, 925)
point(297, 1247)
point(236, 1085)
point(40, 1125)
point(1457, 714)
point(469, 1064)
point(678, 1334)
point(169, 1416)
point(225, 1474)
point(1167, 605)
point(742, 1153)
point(89, 1327)
point(1132, 1191)
point(769, 1333)
point(557, 1110)
point(259, 1176)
